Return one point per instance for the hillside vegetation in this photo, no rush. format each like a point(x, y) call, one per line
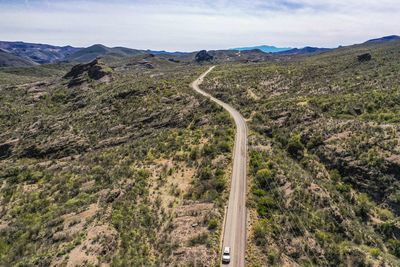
point(10, 60)
point(117, 163)
point(324, 155)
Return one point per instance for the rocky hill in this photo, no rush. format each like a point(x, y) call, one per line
point(11, 60)
point(128, 171)
point(38, 53)
point(90, 53)
point(325, 155)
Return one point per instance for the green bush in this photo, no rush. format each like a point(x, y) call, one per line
point(294, 146)
point(264, 178)
point(272, 256)
point(335, 175)
point(375, 252)
point(394, 246)
point(266, 205)
point(212, 224)
point(363, 206)
point(260, 233)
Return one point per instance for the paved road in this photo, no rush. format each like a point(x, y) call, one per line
point(235, 225)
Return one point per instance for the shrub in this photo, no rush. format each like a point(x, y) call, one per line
point(373, 158)
point(394, 246)
point(194, 154)
point(387, 228)
point(200, 239)
point(384, 214)
point(220, 184)
point(363, 207)
point(260, 233)
point(323, 237)
point(315, 140)
point(294, 146)
point(224, 147)
point(264, 178)
point(266, 205)
point(205, 173)
point(272, 257)
point(212, 224)
point(375, 252)
point(335, 175)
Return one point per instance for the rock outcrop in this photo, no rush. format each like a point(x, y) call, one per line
point(364, 57)
point(203, 56)
point(81, 73)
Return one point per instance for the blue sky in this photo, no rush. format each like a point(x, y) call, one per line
point(198, 24)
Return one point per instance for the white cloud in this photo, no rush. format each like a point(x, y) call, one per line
point(193, 25)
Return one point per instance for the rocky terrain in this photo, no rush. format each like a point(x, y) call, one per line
point(114, 162)
point(325, 155)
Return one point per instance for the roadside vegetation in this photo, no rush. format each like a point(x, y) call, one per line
point(324, 156)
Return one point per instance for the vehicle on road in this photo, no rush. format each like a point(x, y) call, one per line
point(226, 256)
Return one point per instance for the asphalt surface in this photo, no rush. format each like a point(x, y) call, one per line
point(234, 235)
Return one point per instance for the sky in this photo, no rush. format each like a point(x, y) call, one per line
point(189, 25)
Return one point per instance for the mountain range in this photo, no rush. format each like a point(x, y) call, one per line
point(38, 53)
point(21, 54)
point(8, 59)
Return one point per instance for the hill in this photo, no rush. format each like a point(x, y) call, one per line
point(303, 51)
point(11, 60)
point(98, 50)
point(118, 162)
point(385, 39)
point(325, 158)
point(38, 53)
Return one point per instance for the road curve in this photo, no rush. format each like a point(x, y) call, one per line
point(234, 235)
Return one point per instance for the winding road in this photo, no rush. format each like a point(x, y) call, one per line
point(234, 235)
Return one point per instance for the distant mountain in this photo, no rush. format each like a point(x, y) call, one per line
point(11, 60)
point(98, 50)
point(38, 53)
point(163, 52)
point(30, 53)
point(384, 39)
point(305, 50)
point(263, 48)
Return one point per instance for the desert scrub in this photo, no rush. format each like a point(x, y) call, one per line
point(90, 152)
point(327, 127)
